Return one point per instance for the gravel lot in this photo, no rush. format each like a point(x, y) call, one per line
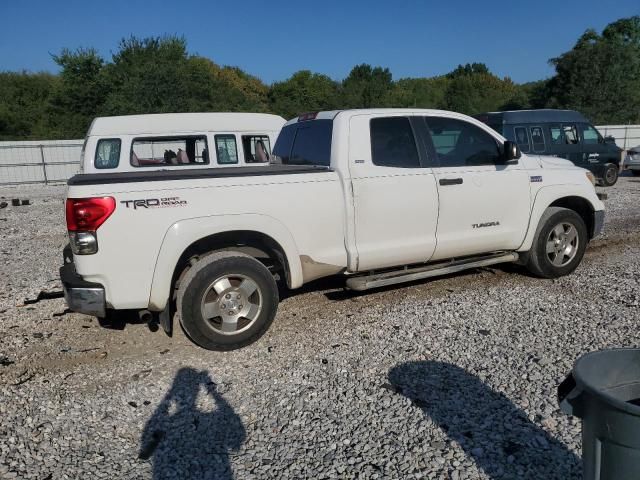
point(453, 378)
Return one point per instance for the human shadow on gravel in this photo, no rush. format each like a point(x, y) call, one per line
point(191, 439)
point(491, 430)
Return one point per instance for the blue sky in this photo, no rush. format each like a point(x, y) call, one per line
point(271, 40)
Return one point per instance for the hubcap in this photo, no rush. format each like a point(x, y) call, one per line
point(611, 174)
point(231, 304)
point(562, 244)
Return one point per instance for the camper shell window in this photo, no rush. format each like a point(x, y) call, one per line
point(107, 153)
point(257, 148)
point(169, 151)
point(226, 149)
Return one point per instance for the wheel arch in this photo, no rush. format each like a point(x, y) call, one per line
point(261, 237)
point(582, 207)
point(565, 196)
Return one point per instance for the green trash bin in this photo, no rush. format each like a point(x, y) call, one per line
point(603, 390)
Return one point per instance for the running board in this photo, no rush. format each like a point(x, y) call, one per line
point(376, 280)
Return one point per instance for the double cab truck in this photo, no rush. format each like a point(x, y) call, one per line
point(378, 196)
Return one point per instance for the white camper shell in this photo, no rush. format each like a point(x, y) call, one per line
point(168, 141)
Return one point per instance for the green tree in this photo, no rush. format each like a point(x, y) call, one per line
point(79, 93)
point(418, 93)
point(366, 87)
point(151, 75)
point(600, 75)
point(303, 92)
point(24, 99)
point(472, 89)
point(469, 69)
point(157, 75)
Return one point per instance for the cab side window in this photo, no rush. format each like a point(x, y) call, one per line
point(393, 143)
point(522, 139)
point(107, 153)
point(460, 144)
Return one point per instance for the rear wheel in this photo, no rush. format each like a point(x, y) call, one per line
point(227, 300)
point(610, 176)
point(559, 244)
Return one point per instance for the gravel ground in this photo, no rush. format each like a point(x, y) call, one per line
point(453, 378)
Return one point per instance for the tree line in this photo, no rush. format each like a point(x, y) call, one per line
point(599, 76)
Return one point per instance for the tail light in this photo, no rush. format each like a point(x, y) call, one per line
point(84, 217)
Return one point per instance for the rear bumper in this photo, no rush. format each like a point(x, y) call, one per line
point(82, 296)
point(598, 222)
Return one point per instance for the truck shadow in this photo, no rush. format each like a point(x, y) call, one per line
point(192, 437)
point(491, 430)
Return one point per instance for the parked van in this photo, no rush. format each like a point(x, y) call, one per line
point(561, 133)
point(167, 141)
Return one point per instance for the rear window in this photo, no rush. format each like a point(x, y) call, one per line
point(305, 143)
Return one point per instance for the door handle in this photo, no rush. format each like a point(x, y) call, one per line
point(450, 181)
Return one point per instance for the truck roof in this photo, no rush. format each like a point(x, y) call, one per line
point(544, 115)
point(331, 114)
point(170, 123)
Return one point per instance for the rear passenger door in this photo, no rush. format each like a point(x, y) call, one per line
point(395, 197)
point(484, 204)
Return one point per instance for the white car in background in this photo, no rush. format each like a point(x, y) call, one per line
point(632, 160)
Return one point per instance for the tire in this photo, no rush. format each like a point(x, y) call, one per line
point(247, 287)
point(610, 175)
point(635, 173)
point(556, 228)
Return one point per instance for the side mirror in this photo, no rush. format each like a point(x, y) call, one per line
point(511, 151)
point(609, 139)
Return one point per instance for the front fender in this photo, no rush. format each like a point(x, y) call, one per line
point(549, 194)
point(182, 234)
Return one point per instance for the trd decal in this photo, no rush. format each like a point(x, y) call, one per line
point(486, 224)
point(536, 178)
point(155, 203)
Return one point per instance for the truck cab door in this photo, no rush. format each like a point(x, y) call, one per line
point(484, 203)
point(395, 198)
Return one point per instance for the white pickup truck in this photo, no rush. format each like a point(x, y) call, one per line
point(379, 196)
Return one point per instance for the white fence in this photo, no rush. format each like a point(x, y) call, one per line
point(46, 161)
point(627, 136)
point(55, 161)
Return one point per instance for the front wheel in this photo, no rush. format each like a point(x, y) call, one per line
point(610, 176)
point(559, 244)
point(227, 300)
